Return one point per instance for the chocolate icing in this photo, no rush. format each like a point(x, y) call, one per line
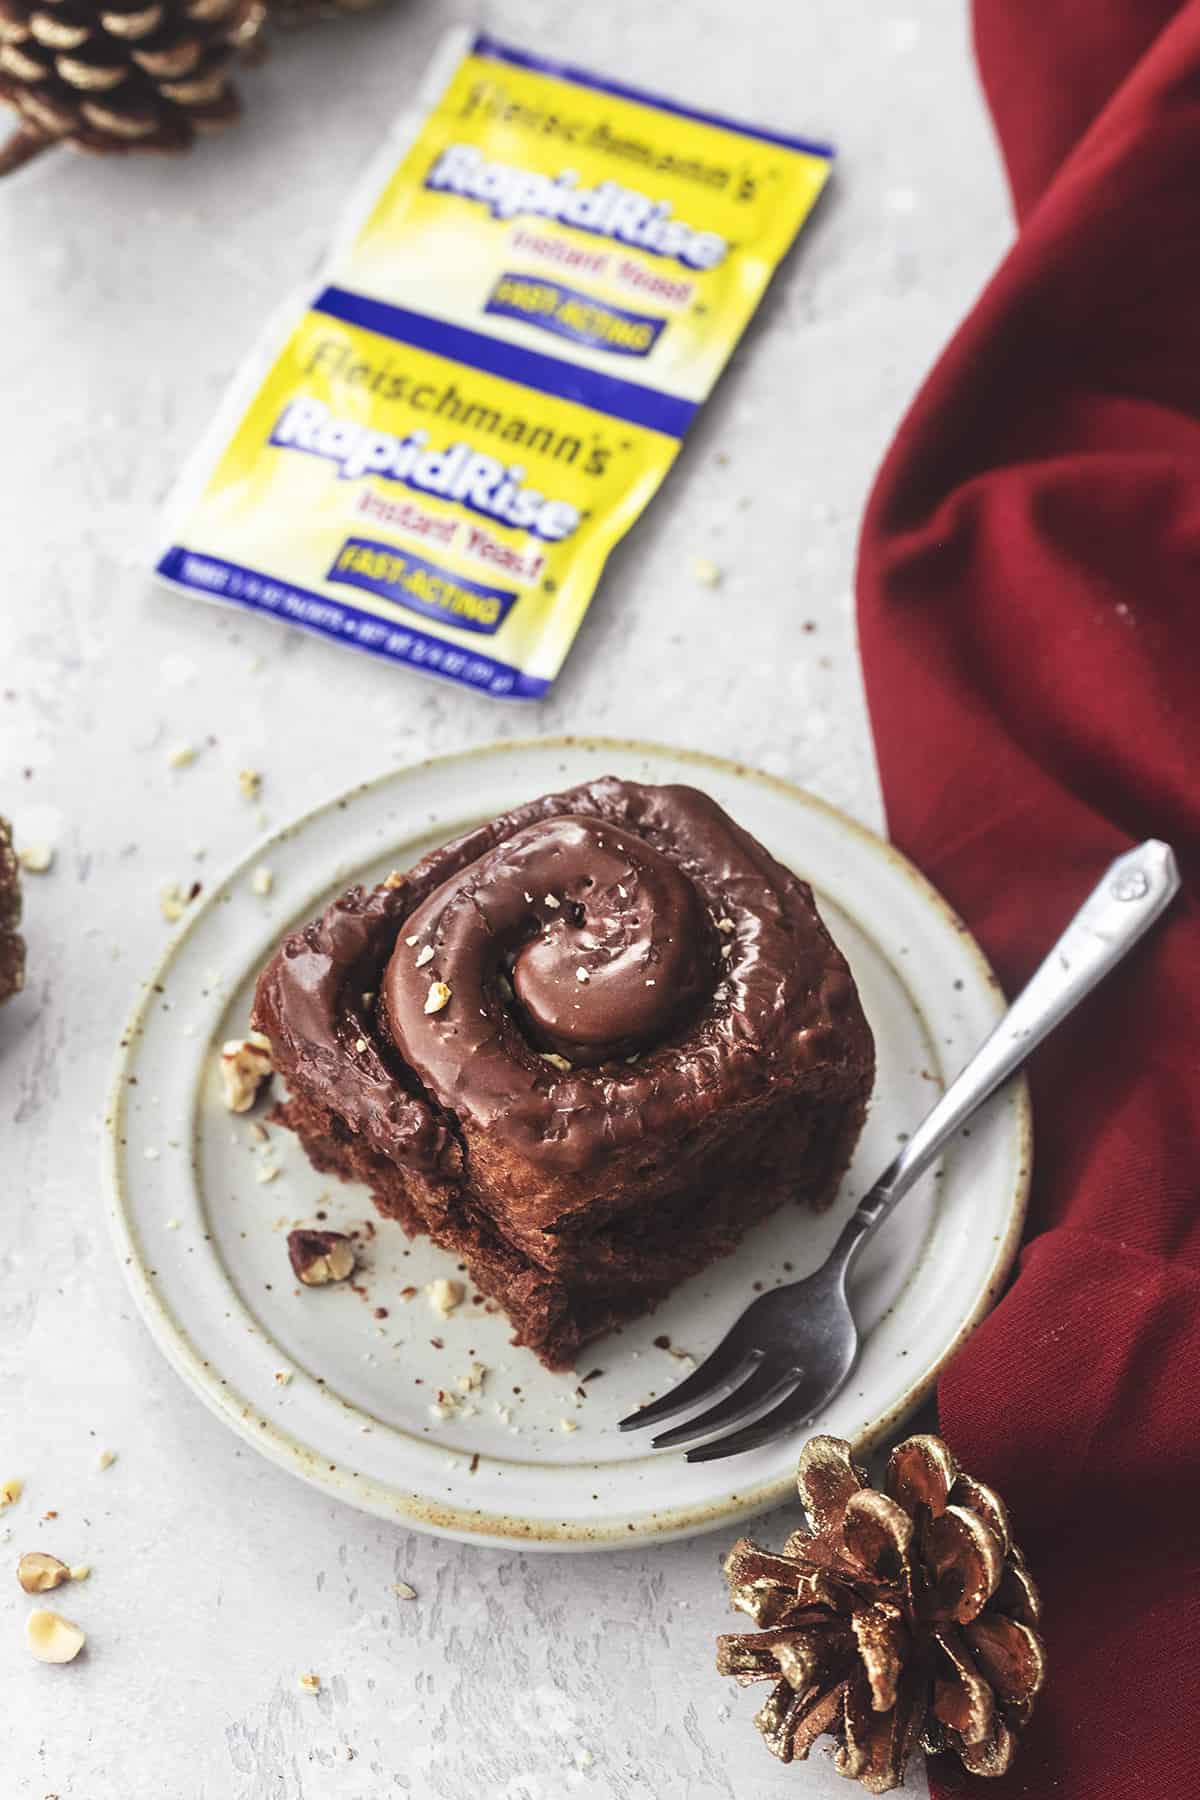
point(709, 975)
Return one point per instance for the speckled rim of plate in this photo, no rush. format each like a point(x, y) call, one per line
point(463, 1522)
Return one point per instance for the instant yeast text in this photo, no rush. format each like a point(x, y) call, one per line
point(434, 459)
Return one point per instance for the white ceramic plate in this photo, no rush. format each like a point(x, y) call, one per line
point(202, 1235)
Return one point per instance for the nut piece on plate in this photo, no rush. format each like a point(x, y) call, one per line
point(245, 1066)
point(445, 1295)
point(52, 1638)
point(320, 1257)
point(11, 1490)
point(38, 1572)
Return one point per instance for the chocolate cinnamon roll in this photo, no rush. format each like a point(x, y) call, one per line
point(585, 1046)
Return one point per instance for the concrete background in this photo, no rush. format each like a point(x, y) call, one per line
point(130, 291)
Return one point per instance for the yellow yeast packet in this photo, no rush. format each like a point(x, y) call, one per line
point(432, 458)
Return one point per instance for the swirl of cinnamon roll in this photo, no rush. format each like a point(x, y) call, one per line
point(569, 979)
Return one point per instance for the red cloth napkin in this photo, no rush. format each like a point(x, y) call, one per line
point(1029, 607)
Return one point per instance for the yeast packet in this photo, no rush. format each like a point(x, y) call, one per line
point(431, 456)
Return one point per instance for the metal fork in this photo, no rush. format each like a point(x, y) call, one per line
point(793, 1348)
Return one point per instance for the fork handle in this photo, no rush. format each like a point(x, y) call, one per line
point(1133, 893)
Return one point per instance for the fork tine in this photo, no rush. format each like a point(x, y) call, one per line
point(765, 1385)
point(722, 1369)
point(796, 1410)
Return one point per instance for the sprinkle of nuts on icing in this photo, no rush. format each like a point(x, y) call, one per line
point(445, 1295)
point(555, 1060)
point(582, 975)
point(437, 997)
point(245, 1065)
point(360, 1044)
point(552, 903)
point(395, 879)
point(424, 956)
point(414, 939)
point(51, 1638)
point(726, 925)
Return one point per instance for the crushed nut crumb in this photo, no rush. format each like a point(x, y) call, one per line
point(181, 757)
point(726, 924)
point(581, 974)
point(706, 571)
point(36, 859)
point(245, 1065)
point(250, 783)
point(311, 1683)
point(80, 1571)
point(556, 1061)
point(472, 1380)
point(266, 1172)
point(568, 1425)
point(394, 880)
point(437, 997)
point(320, 1257)
point(262, 881)
point(445, 1295)
point(403, 1591)
point(283, 1377)
point(553, 902)
point(425, 956)
point(106, 1459)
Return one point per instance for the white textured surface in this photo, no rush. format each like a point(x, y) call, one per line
point(129, 294)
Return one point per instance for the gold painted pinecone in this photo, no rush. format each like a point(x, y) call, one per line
point(901, 1616)
point(12, 945)
point(120, 74)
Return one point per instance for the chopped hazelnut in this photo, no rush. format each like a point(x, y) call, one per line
point(245, 1066)
point(706, 571)
point(445, 1295)
point(250, 783)
point(553, 902)
point(52, 1638)
point(726, 925)
point(395, 879)
point(311, 1684)
point(282, 1377)
point(567, 1425)
point(581, 974)
point(10, 1490)
point(173, 902)
point(437, 997)
point(106, 1459)
point(262, 881)
point(472, 1380)
point(424, 956)
point(36, 859)
point(181, 757)
point(556, 1061)
point(80, 1571)
point(403, 1591)
point(320, 1257)
point(38, 1572)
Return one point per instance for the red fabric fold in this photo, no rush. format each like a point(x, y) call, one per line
point(1029, 613)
